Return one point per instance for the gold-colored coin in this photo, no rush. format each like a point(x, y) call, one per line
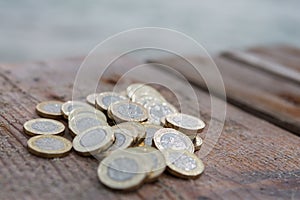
point(124, 111)
point(143, 90)
point(159, 109)
point(91, 99)
point(82, 122)
point(151, 129)
point(42, 126)
point(49, 109)
point(131, 88)
point(122, 171)
point(187, 124)
point(155, 161)
point(68, 106)
point(49, 146)
point(168, 138)
point(197, 142)
point(87, 110)
point(105, 99)
point(93, 141)
point(183, 164)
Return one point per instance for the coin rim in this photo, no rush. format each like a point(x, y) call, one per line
point(87, 151)
point(30, 131)
point(88, 99)
point(49, 153)
point(99, 103)
point(46, 114)
point(77, 111)
point(173, 169)
point(118, 118)
point(163, 131)
point(169, 119)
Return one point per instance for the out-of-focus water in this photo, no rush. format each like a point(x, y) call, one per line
point(36, 30)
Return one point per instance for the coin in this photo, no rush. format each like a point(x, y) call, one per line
point(91, 99)
point(159, 109)
point(83, 122)
point(146, 99)
point(93, 140)
point(49, 109)
point(155, 161)
point(187, 124)
point(183, 164)
point(131, 88)
point(168, 138)
point(143, 91)
point(87, 110)
point(197, 142)
point(105, 99)
point(150, 131)
point(122, 171)
point(49, 146)
point(125, 111)
point(43, 126)
point(68, 106)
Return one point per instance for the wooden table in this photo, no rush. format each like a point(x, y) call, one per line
point(256, 157)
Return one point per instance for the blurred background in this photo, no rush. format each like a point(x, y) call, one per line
point(39, 30)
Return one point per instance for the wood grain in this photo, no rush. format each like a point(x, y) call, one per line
point(252, 159)
point(273, 97)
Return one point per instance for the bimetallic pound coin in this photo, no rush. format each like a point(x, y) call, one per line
point(93, 141)
point(155, 161)
point(183, 164)
point(132, 131)
point(105, 99)
point(49, 146)
point(122, 171)
point(68, 106)
point(131, 88)
point(42, 126)
point(168, 138)
point(87, 110)
point(49, 109)
point(159, 109)
point(91, 99)
point(83, 122)
point(125, 111)
point(150, 131)
point(187, 124)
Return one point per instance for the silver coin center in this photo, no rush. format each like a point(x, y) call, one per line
point(45, 126)
point(130, 111)
point(87, 122)
point(158, 111)
point(52, 108)
point(173, 141)
point(122, 169)
point(93, 138)
point(119, 141)
point(185, 121)
point(51, 144)
point(182, 161)
point(108, 100)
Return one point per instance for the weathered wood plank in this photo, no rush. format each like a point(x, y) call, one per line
point(252, 159)
point(264, 94)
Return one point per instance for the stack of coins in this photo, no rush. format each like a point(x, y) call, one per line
point(136, 133)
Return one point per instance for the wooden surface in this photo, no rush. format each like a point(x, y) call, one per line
point(255, 82)
point(253, 159)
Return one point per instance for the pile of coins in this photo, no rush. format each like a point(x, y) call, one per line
point(136, 133)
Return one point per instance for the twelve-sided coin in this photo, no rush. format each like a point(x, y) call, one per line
point(105, 99)
point(49, 146)
point(42, 126)
point(50, 109)
point(93, 141)
point(168, 138)
point(183, 164)
point(68, 106)
point(91, 99)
